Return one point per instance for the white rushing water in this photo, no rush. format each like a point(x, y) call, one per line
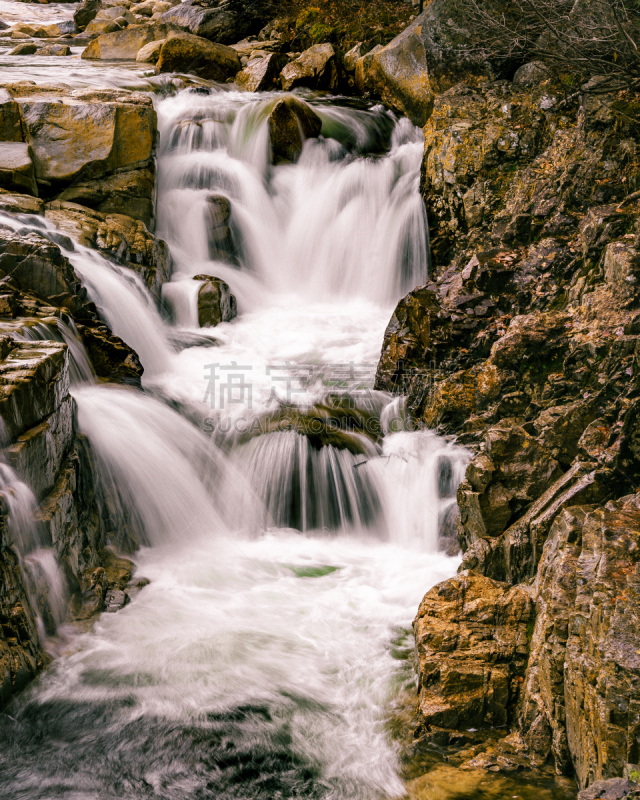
point(260, 661)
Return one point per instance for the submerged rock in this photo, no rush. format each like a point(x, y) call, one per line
point(120, 236)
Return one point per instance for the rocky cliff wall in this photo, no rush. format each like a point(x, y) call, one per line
point(524, 345)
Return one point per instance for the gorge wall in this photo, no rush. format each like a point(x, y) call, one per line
point(524, 346)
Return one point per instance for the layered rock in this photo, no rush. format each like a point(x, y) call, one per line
point(524, 345)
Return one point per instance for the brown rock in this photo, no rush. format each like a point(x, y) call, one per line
point(184, 52)
point(291, 122)
point(471, 640)
point(216, 304)
point(260, 74)
point(316, 68)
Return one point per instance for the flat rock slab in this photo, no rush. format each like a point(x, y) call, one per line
point(85, 133)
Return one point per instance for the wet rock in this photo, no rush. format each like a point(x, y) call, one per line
point(183, 52)
point(37, 266)
point(130, 192)
point(221, 243)
point(291, 122)
point(112, 359)
point(125, 239)
point(316, 68)
point(150, 52)
point(24, 49)
point(54, 50)
point(20, 203)
point(216, 304)
point(100, 27)
point(260, 74)
point(16, 168)
point(471, 640)
point(122, 45)
point(60, 28)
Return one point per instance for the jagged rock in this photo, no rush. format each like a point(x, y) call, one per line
point(216, 304)
point(613, 789)
point(407, 337)
point(124, 44)
point(16, 168)
point(150, 52)
point(291, 122)
point(37, 266)
point(120, 236)
point(260, 74)
point(316, 68)
point(34, 384)
point(622, 269)
point(471, 641)
point(183, 52)
point(112, 359)
point(85, 133)
point(130, 192)
point(86, 11)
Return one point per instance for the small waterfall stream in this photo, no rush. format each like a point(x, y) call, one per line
point(289, 526)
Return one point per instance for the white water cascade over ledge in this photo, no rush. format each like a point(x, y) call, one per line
point(258, 662)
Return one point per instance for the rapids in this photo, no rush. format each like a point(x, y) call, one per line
point(264, 656)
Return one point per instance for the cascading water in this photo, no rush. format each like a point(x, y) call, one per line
point(289, 524)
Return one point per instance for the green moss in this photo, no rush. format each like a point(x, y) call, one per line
point(321, 33)
point(307, 16)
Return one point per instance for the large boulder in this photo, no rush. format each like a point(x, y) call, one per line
point(225, 23)
point(316, 68)
point(150, 52)
point(16, 168)
point(400, 75)
point(216, 304)
point(291, 122)
point(85, 133)
point(184, 52)
point(124, 45)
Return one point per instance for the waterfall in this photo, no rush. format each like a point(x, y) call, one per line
point(288, 518)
